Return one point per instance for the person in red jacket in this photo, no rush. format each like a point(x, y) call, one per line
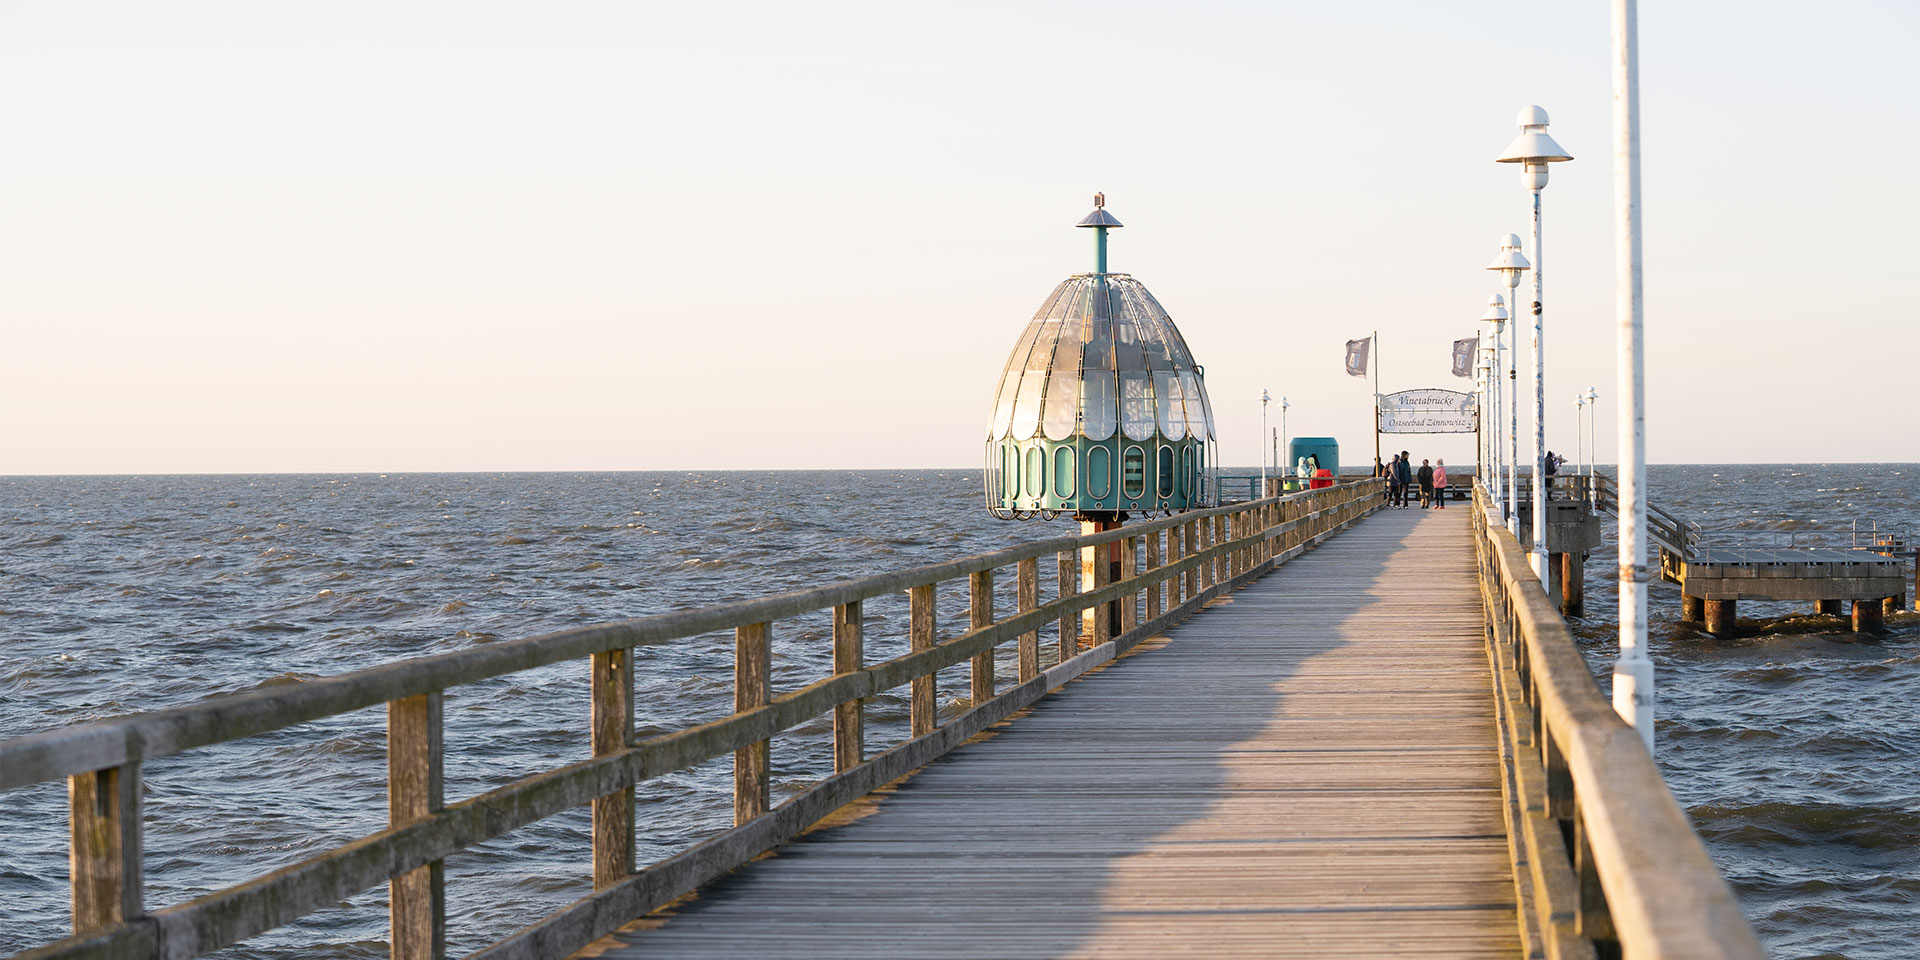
point(1322, 477)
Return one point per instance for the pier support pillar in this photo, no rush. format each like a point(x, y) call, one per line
point(1836, 607)
point(1692, 609)
point(1720, 617)
point(1894, 604)
point(1866, 615)
point(1573, 588)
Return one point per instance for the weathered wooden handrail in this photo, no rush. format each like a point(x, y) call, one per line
point(1605, 855)
point(1205, 553)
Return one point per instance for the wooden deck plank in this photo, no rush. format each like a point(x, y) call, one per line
point(1308, 769)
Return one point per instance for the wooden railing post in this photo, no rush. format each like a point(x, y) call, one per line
point(1129, 567)
point(920, 634)
point(104, 859)
point(1595, 920)
point(1208, 540)
point(1028, 583)
point(1153, 566)
point(1068, 572)
point(612, 733)
point(752, 687)
point(417, 911)
point(1233, 555)
point(1098, 564)
point(1191, 536)
point(1222, 534)
point(849, 718)
point(980, 614)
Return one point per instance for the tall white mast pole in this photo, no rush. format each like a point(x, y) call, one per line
point(1539, 407)
point(1633, 671)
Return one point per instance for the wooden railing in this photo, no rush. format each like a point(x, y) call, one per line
point(1605, 860)
point(1189, 559)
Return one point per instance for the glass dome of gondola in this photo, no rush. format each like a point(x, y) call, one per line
point(1101, 409)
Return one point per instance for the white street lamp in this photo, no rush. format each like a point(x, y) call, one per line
point(1632, 670)
point(1593, 445)
point(1263, 454)
point(1283, 443)
point(1579, 432)
point(1487, 477)
point(1497, 315)
point(1510, 264)
point(1534, 150)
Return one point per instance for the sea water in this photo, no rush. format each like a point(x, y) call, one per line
point(1792, 747)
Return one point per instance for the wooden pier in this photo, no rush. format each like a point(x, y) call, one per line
point(1377, 739)
point(1308, 770)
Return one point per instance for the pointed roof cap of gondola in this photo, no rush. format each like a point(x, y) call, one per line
point(1099, 217)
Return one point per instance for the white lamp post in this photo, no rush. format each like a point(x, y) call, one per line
point(1510, 264)
point(1497, 315)
point(1534, 150)
point(1579, 433)
point(1283, 443)
point(1263, 454)
point(1593, 445)
point(1632, 671)
point(1489, 421)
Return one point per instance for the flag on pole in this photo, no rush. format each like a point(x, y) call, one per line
point(1463, 351)
point(1357, 356)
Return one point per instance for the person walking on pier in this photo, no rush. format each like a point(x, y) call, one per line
point(1440, 484)
point(1402, 479)
point(1426, 484)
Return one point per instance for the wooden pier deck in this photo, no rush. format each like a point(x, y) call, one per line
point(1310, 769)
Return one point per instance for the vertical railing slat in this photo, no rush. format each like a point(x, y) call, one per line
point(417, 911)
point(752, 687)
point(922, 717)
point(104, 859)
point(1096, 572)
point(849, 718)
point(980, 614)
point(1192, 536)
point(1028, 582)
point(1154, 584)
point(612, 733)
point(1067, 571)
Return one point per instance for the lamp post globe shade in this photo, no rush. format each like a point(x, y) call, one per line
point(1510, 263)
point(1592, 395)
point(1496, 309)
point(1533, 149)
point(1101, 408)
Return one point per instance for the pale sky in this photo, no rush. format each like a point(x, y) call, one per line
point(251, 237)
